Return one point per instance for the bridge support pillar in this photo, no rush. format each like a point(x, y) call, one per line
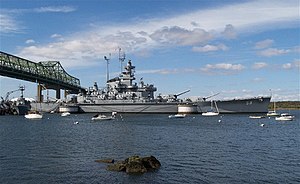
point(57, 93)
point(65, 94)
point(39, 93)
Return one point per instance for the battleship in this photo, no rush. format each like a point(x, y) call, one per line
point(122, 94)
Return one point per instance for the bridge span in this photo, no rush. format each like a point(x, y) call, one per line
point(48, 74)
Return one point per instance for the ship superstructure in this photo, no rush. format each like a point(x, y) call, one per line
point(123, 87)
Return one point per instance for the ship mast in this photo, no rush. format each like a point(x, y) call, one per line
point(107, 69)
point(121, 58)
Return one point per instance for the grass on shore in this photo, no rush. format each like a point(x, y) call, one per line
point(285, 105)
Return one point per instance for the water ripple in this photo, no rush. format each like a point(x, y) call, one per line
point(191, 150)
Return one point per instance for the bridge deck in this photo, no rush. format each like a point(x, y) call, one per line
point(50, 73)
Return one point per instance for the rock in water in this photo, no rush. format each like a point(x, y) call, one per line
point(135, 165)
point(105, 161)
point(119, 166)
point(151, 163)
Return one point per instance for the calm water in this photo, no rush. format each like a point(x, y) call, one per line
point(195, 149)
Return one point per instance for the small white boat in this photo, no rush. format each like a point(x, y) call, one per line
point(273, 113)
point(212, 113)
point(34, 115)
point(285, 117)
point(256, 117)
point(103, 117)
point(65, 114)
point(177, 116)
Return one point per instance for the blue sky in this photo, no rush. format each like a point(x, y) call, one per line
point(235, 48)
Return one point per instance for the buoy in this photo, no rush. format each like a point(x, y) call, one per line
point(75, 123)
point(262, 125)
point(219, 120)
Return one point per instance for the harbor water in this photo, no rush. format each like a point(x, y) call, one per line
point(230, 148)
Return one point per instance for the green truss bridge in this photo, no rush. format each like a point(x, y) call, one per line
point(48, 74)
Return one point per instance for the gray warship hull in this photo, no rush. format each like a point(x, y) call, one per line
point(129, 107)
point(247, 105)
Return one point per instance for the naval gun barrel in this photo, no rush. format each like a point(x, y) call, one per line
point(205, 98)
point(178, 94)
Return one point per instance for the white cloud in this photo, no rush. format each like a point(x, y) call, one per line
point(29, 41)
point(222, 68)
point(180, 36)
point(287, 66)
point(246, 91)
point(56, 36)
point(296, 49)
point(57, 9)
point(257, 79)
point(8, 24)
point(286, 95)
point(273, 52)
point(229, 32)
point(263, 44)
point(259, 65)
point(297, 63)
point(293, 65)
point(210, 48)
point(174, 31)
point(169, 71)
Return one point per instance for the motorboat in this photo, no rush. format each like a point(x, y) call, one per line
point(104, 117)
point(256, 117)
point(212, 113)
point(34, 115)
point(285, 117)
point(65, 114)
point(177, 116)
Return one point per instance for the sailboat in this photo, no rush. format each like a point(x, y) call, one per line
point(273, 112)
point(34, 114)
point(211, 113)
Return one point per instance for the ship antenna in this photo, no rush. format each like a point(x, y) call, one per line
point(121, 58)
point(107, 69)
